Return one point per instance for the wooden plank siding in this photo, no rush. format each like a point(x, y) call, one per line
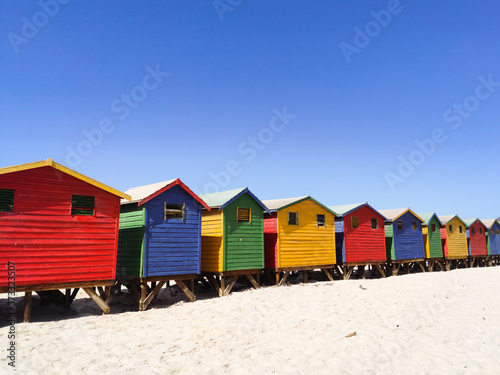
point(407, 243)
point(362, 244)
point(212, 250)
point(454, 242)
point(46, 242)
point(131, 240)
point(271, 240)
point(432, 240)
point(243, 241)
point(172, 246)
point(476, 239)
point(305, 244)
point(494, 239)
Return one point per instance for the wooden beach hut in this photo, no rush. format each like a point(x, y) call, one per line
point(298, 236)
point(493, 239)
point(159, 239)
point(404, 239)
point(431, 231)
point(58, 230)
point(232, 238)
point(359, 238)
point(476, 242)
point(454, 239)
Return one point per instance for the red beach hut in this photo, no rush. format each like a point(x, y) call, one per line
point(58, 230)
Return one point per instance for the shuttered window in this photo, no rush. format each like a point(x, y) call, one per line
point(6, 200)
point(480, 230)
point(400, 224)
point(174, 211)
point(414, 225)
point(83, 205)
point(293, 218)
point(450, 228)
point(374, 224)
point(433, 227)
point(473, 230)
point(320, 220)
point(460, 228)
point(497, 232)
point(243, 214)
point(354, 222)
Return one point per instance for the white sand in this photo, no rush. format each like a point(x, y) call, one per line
point(434, 323)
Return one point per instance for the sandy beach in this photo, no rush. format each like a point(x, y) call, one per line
point(432, 323)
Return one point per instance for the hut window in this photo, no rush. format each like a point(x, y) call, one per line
point(497, 231)
point(174, 211)
point(492, 231)
point(293, 218)
point(450, 228)
point(82, 205)
point(400, 224)
point(354, 222)
point(414, 225)
point(374, 224)
point(320, 220)
point(460, 228)
point(480, 230)
point(243, 214)
point(473, 230)
point(433, 227)
point(6, 200)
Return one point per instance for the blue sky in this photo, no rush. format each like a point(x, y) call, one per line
point(289, 98)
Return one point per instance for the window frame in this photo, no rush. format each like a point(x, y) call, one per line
point(400, 225)
point(414, 225)
point(296, 218)
point(450, 228)
point(374, 220)
point(80, 207)
point(318, 221)
point(13, 199)
point(166, 210)
point(433, 227)
point(354, 222)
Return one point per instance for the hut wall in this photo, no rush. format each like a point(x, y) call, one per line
point(364, 244)
point(271, 240)
point(243, 241)
point(172, 246)
point(131, 240)
point(477, 240)
point(212, 249)
point(46, 242)
point(456, 242)
point(306, 244)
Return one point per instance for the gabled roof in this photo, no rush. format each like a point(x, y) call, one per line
point(445, 219)
point(145, 193)
point(50, 163)
point(279, 204)
point(490, 222)
point(393, 214)
point(427, 217)
point(348, 208)
point(224, 198)
point(469, 222)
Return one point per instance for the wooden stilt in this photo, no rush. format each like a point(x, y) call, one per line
point(231, 284)
point(190, 295)
point(151, 296)
point(278, 275)
point(362, 272)
point(250, 278)
point(305, 277)
point(421, 266)
point(103, 305)
point(380, 270)
point(327, 273)
point(213, 280)
point(285, 276)
point(28, 302)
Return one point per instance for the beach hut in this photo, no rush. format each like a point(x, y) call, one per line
point(431, 231)
point(58, 230)
point(476, 241)
point(493, 238)
point(359, 238)
point(232, 238)
point(404, 239)
point(298, 236)
point(454, 239)
point(159, 239)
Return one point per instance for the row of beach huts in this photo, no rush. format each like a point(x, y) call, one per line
point(61, 231)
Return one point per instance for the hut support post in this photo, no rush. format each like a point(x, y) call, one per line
point(380, 270)
point(283, 279)
point(327, 273)
point(227, 290)
point(147, 299)
point(98, 300)
point(187, 291)
point(255, 283)
point(421, 266)
point(28, 303)
point(361, 270)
